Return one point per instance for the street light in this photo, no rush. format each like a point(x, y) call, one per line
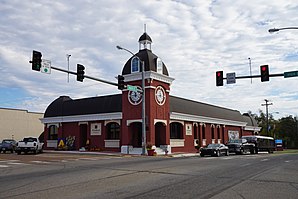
point(272, 30)
point(143, 100)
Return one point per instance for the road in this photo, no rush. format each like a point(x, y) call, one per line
point(96, 176)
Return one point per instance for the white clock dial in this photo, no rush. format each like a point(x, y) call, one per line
point(135, 97)
point(160, 95)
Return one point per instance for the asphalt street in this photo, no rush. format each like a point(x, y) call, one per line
point(97, 176)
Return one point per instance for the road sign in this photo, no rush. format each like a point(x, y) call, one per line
point(132, 88)
point(45, 66)
point(231, 78)
point(290, 74)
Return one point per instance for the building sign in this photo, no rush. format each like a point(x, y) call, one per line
point(233, 135)
point(95, 129)
point(188, 130)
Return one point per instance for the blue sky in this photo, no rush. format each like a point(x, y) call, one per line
point(193, 38)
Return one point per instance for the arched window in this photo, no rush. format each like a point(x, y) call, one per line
point(53, 132)
point(135, 65)
point(218, 132)
point(203, 132)
point(176, 130)
point(113, 131)
point(212, 132)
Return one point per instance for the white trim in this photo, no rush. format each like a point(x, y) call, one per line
point(82, 118)
point(252, 128)
point(178, 121)
point(149, 75)
point(80, 123)
point(128, 122)
point(195, 118)
point(177, 142)
point(112, 143)
point(109, 121)
point(53, 124)
point(162, 121)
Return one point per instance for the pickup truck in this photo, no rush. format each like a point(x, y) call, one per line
point(29, 144)
point(240, 146)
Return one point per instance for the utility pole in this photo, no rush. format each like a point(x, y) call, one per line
point(267, 115)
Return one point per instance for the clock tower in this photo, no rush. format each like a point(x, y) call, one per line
point(157, 108)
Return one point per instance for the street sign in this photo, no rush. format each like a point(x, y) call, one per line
point(45, 66)
point(132, 88)
point(231, 78)
point(290, 74)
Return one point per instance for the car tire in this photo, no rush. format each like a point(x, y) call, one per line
point(241, 151)
point(202, 155)
point(227, 153)
point(217, 153)
point(19, 152)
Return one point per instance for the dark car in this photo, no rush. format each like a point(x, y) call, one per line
point(214, 150)
point(8, 145)
point(240, 146)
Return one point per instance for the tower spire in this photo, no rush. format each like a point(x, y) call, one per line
point(145, 40)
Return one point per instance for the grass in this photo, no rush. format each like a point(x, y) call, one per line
point(286, 151)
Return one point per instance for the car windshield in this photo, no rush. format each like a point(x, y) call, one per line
point(212, 145)
point(30, 139)
point(7, 141)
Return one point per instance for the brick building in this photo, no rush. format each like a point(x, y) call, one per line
point(114, 122)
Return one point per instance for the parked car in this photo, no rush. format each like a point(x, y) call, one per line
point(29, 144)
point(214, 150)
point(8, 145)
point(240, 146)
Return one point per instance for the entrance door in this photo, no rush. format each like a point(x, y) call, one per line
point(160, 134)
point(83, 135)
point(136, 132)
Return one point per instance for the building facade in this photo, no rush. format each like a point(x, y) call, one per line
point(114, 122)
point(16, 124)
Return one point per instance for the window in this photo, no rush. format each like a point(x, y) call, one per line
point(113, 131)
point(135, 65)
point(203, 132)
point(218, 132)
point(212, 132)
point(53, 132)
point(176, 130)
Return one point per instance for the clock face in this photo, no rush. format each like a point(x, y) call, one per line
point(160, 95)
point(135, 97)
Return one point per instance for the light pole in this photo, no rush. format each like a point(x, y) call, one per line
point(143, 99)
point(272, 30)
point(67, 57)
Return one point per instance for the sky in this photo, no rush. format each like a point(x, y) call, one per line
point(194, 39)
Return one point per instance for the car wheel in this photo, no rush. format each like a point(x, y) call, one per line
point(227, 153)
point(202, 155)
point(19, 152)
point(241, 151)
point(217, 153)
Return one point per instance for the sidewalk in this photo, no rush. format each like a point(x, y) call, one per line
point(174, 155)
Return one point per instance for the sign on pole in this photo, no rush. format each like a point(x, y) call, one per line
point(132, 88)
point(231, 78)
point(290, 74)
point(45, 66)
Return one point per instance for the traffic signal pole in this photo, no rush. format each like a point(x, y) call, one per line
point(85, 76)
point(258, 76)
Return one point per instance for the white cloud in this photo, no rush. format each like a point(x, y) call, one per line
point(193, 38)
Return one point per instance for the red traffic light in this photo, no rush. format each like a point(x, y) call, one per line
point(264, 73)
point(219, 78)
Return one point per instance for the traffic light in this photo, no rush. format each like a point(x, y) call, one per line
point(36, 60)
point(219, 78)
point(264, 73)
point(121, 85)
point(80, 72)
